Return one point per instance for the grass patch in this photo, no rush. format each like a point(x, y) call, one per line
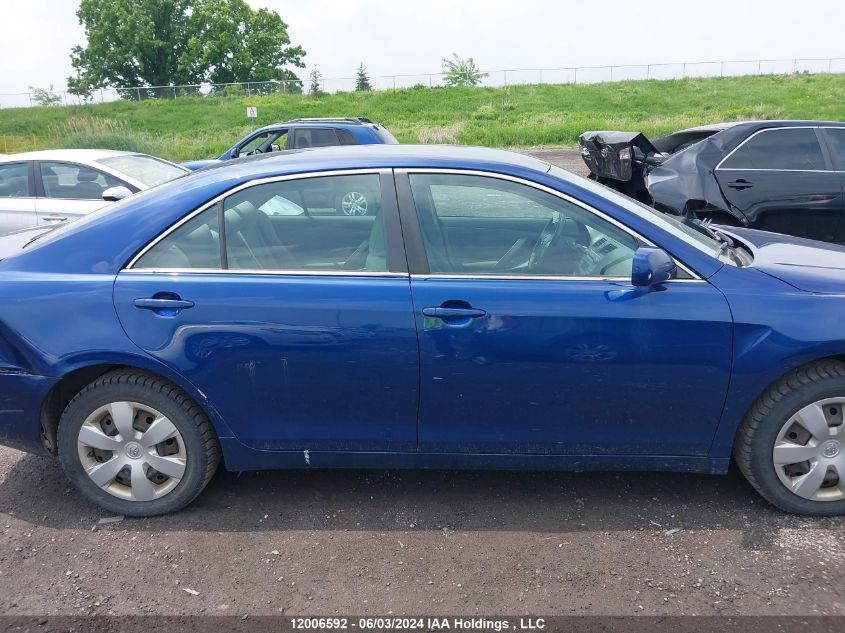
point(516, 116)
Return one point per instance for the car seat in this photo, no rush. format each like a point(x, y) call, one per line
point(252, 241)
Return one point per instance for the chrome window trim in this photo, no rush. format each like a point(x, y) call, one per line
point(774, 129)
point(460, 276)
point(559, 194)
point(262, 271)
point(247, 185)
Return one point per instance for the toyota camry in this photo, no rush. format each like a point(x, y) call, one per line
point(490, 312)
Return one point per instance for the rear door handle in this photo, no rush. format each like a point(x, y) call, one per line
point(740, 184)
point(163, 304)
point(454, 313)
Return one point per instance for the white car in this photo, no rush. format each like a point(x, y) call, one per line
point(52, 186)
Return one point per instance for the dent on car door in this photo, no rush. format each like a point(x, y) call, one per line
point(532, 338)
point(299, 328)
point(68, 191)
point(17, 197)
point(781, 181)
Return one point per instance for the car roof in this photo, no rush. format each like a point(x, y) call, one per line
point(342, 157)
point(74, 155)
point(720, 127)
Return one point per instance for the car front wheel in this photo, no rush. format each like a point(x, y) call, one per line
point(136, 444)
point(791, 445)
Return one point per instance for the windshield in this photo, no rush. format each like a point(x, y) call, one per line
point(147, 170)
point(690, 232)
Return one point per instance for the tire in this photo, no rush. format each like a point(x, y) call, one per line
point(138, 397)
point(765, 424)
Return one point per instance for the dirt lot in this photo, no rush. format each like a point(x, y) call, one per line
point(323, 542)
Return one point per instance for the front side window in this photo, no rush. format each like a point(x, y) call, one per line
point(479, 225)
point(272, 141)
point(14, 180)
point(290, 225)
point(75, 182)
point(792, 149)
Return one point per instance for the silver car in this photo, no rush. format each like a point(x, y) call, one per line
point(53, 186)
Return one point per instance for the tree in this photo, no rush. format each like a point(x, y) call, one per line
point(43, 97)
point(362, 81)
point(315, 78)
point(461, 72)
point(141, 43)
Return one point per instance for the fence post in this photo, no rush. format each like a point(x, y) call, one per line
point(505, 75)
point(759, 66)
point(611, 74)
point(430, 78)
point(576, 75)
point(138, 91)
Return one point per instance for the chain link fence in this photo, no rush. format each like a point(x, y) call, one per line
point(492, 78)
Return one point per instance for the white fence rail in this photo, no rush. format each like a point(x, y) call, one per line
point(497, 78)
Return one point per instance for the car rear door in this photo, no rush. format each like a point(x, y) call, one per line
point(537, 343)
point(781, 180)
point(298, 328)
point(68, 191)
point(17, 197)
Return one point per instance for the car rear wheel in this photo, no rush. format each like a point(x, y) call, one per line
point(136, 444)
point(791, 445)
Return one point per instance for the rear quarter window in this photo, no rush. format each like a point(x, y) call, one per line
point(790, 149)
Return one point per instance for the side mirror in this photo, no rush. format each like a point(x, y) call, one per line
point(113, 194)
point(651, 266)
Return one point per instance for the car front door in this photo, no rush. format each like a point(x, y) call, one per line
point(298, 328)
point(17, 197)
point(781, 181)
point(534, 341)
point(68, 191)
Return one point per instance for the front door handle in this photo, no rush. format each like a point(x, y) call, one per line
point(453, 313)
point(54, 218)
point(163, 304)
point(740, 184)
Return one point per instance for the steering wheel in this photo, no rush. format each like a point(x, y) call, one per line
point(549, 235)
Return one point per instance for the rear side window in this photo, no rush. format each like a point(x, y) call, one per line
point(793, 149)
point(836, 136)
point(315, 137)
point(345, 137)
point(14, 180)
point(329, 223)
point(75, 182)
point(195, 244)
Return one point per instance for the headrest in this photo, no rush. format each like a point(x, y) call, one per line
point(86, 175)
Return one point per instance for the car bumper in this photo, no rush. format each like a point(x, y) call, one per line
point(21, 397)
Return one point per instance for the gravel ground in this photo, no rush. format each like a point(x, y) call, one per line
point(564, 157)
point(354, 542)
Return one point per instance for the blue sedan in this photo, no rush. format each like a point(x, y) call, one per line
point(491, 312)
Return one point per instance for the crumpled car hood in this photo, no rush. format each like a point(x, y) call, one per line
point(804, 264)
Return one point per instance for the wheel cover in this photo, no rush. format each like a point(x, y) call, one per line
point(132, 451)
point(354, 203)
point(809, 452)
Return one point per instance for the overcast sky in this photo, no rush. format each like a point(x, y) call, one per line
point(405, 37)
